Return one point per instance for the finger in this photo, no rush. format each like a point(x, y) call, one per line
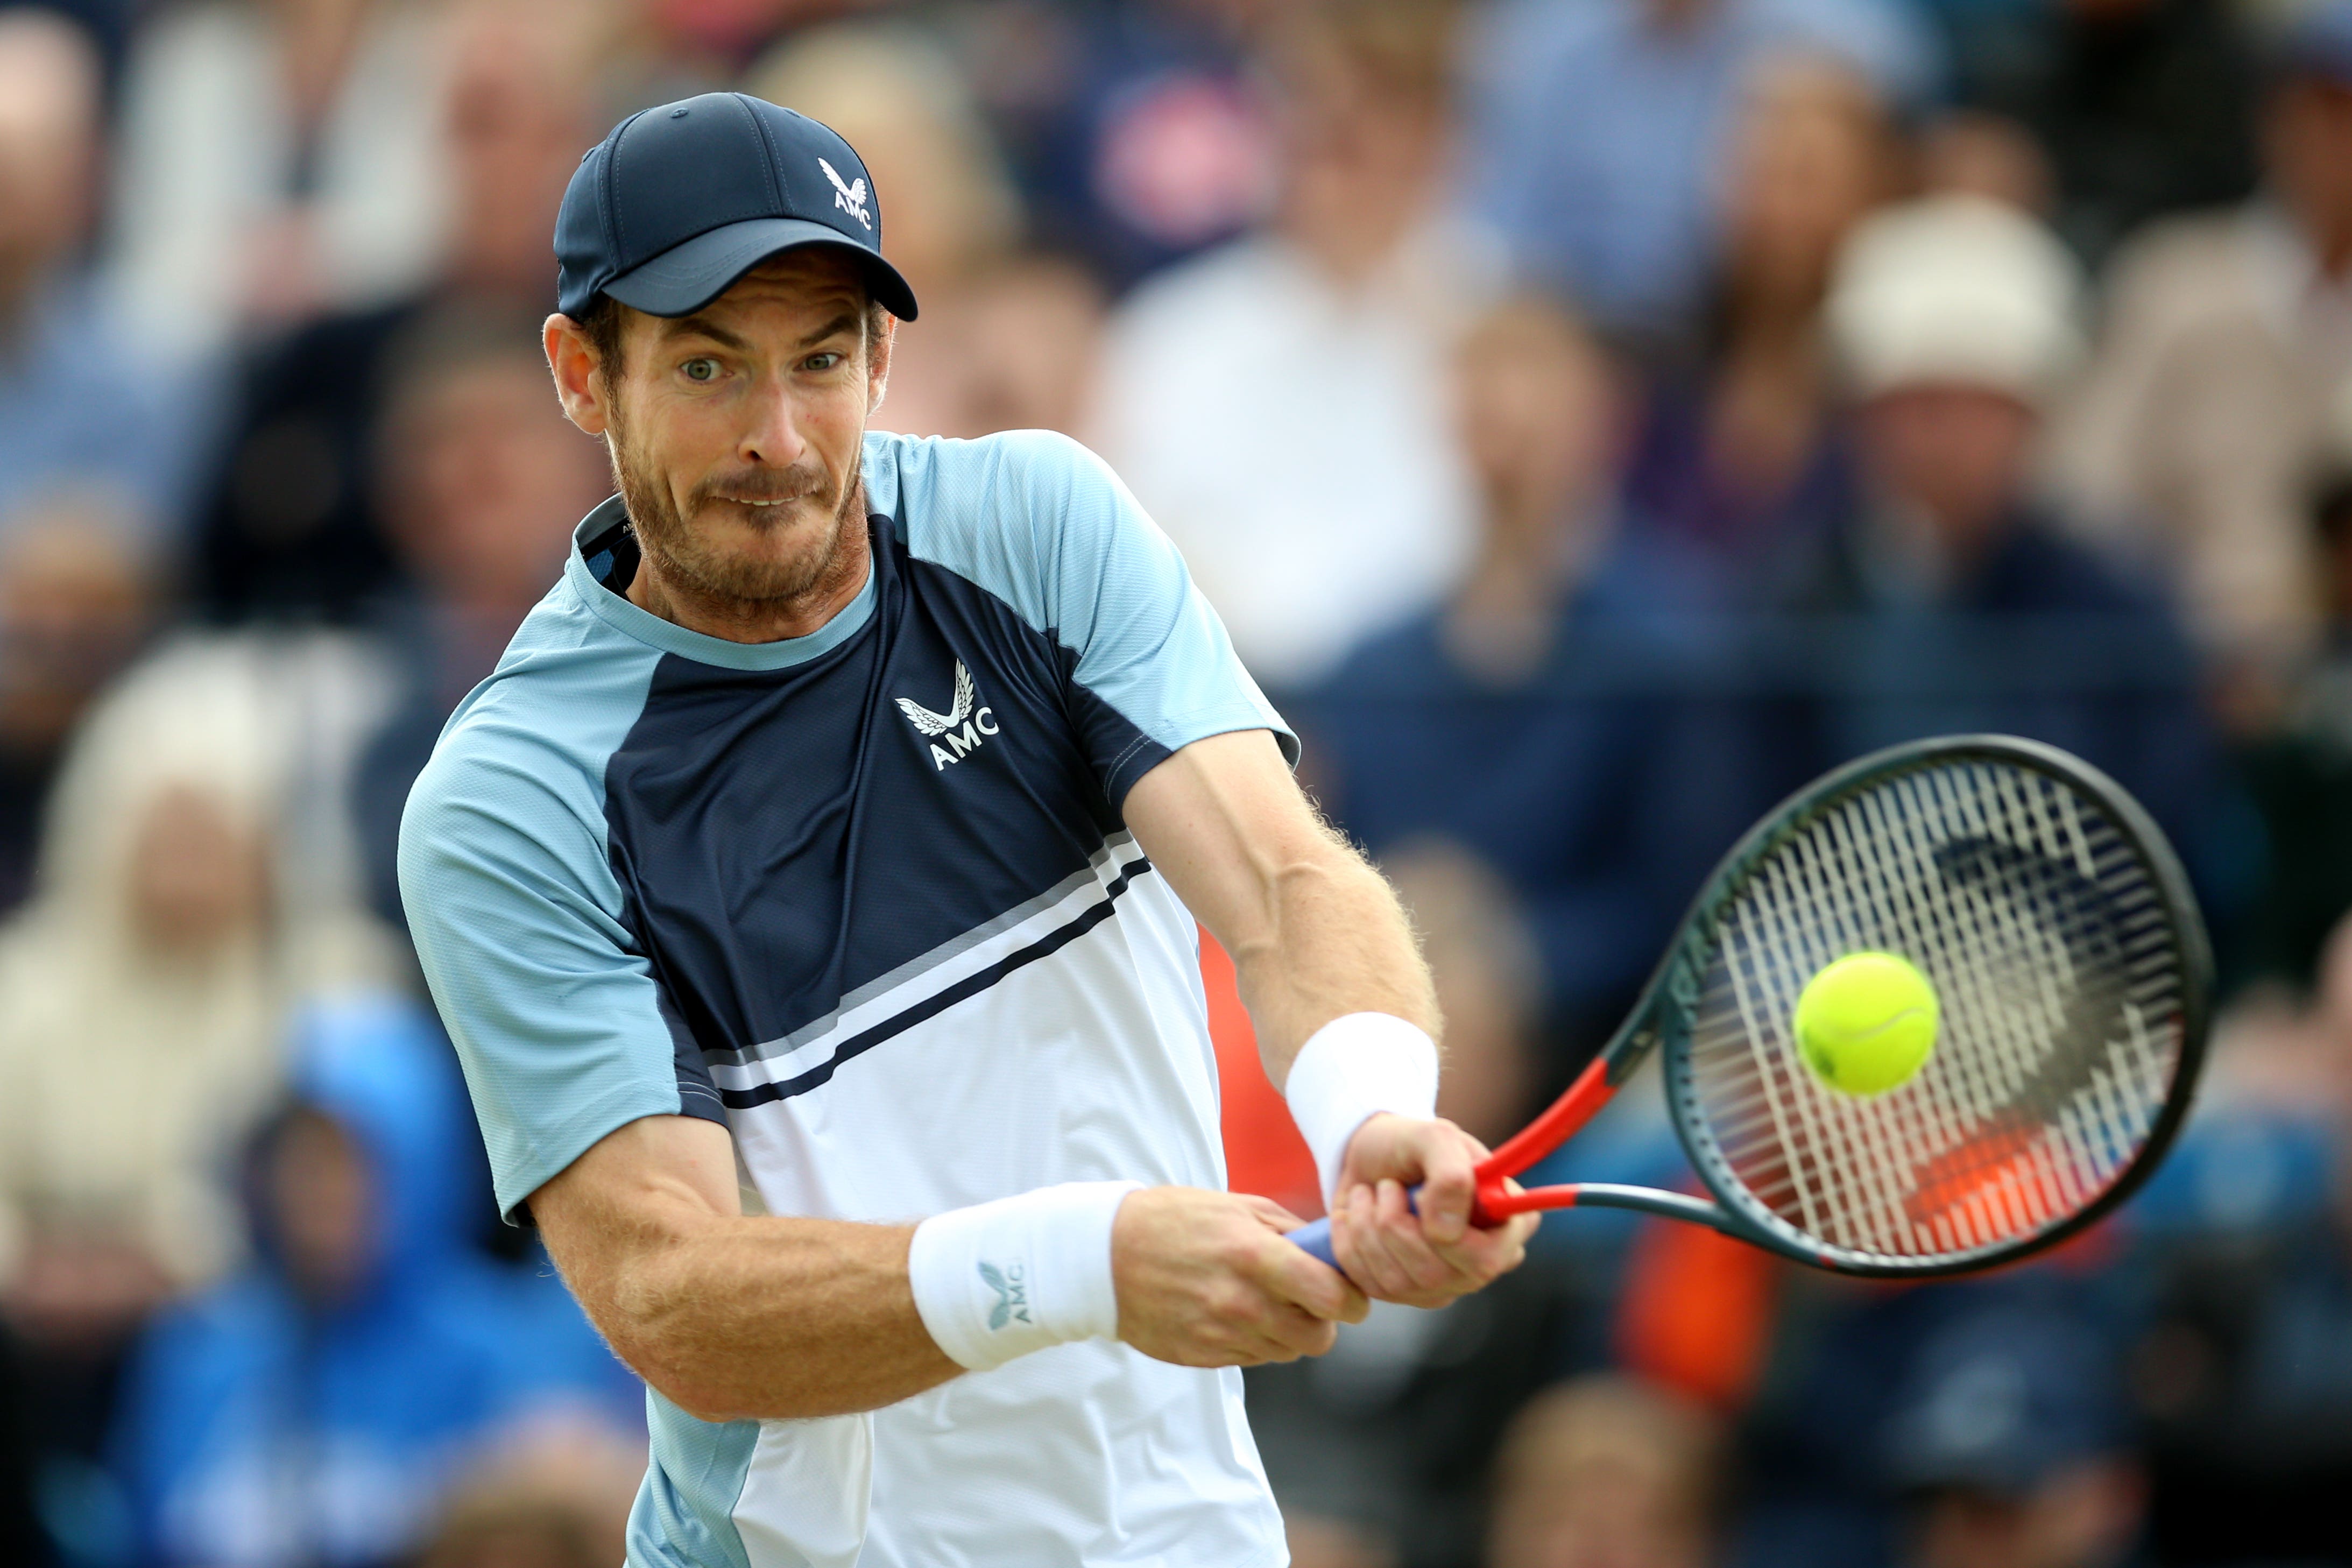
point(1295, 1333)
point(1366, 1255)
point(1486, 1255)
point(1449, 1183)
point(1389, 1235)
point(1293, 1275)
point(1430, 1266)
point(1272, 1214)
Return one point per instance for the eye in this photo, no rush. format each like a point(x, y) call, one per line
point(823, 361)
point(700, 370)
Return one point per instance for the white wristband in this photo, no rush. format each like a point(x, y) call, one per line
point(1350, 1070)
point(1000, 1280)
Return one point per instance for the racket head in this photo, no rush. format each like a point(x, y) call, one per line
point(2074, 976)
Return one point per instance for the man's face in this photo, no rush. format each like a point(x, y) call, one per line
point(1959, 453)
point(736, 432)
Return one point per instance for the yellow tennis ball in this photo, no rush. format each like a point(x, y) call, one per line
point(1866, 1024)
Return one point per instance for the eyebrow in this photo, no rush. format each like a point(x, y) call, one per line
point(700, 325)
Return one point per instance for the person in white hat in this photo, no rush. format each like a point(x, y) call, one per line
point(1952, 596)
point(1955, 320)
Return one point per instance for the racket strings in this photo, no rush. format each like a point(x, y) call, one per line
point(2045, 933)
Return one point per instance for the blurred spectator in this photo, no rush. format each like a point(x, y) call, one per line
point(2143, 107)
point(174, 925)
point(292, 524)
point(2010, 1445)
point(278, 158)
point(481, 482)
point(1032, 345)
point(1972, 154)
point(1271, 401)
point(1528, 717)
point(1137, 133)
point(2227, 342)
point(1607, 1472)
point(1968, 605)
point(168, 928)
point(77, 598)
point(2301, 775)
point(1600, 128)
point(314, 1408)
point(954, 217)
point(2244, 1376)
point(77, 406)
point(1745, 453)
point(551, 1498)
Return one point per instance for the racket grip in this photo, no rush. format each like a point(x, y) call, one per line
point(1314, 1238)
point(1315, 1241)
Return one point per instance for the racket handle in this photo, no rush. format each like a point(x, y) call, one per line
point(1314, 1238)
point(1315, 1241)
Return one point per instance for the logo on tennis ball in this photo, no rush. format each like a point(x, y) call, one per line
point(1867, 1023)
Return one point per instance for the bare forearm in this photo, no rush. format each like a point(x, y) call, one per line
point(728, 1316)
point(1315, 932)
point(776, 1318)
point(1334, 941)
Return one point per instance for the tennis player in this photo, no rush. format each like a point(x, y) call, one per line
point(811, 896)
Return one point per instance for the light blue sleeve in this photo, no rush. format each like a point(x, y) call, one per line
point(517, 915)
point(1041, 522)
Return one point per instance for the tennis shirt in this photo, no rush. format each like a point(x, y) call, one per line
point(865, 897)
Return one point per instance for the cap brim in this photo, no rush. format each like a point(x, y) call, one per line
point(689, 275)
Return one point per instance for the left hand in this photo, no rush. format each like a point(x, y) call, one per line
point(1428, 1259)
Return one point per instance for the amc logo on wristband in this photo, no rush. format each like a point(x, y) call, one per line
point(1011, 1294)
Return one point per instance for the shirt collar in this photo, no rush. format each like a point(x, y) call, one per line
point(670, 637)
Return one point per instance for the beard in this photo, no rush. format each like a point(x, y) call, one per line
point(687, 556)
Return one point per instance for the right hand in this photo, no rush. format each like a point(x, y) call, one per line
point(1211, 1279)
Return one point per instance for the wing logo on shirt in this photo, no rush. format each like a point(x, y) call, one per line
point(851, 197)
point(1012, 1287)
point(964, 727)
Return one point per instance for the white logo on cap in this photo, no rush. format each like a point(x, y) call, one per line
point(849, 198)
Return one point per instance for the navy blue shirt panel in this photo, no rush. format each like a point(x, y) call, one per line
point(784, 836)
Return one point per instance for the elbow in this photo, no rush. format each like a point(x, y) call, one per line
point(648, 1327)
point(701, 1398)
point(694, 1383)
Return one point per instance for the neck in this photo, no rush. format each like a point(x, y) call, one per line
point(733, 619)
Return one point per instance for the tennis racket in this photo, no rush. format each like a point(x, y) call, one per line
point(2062, 939)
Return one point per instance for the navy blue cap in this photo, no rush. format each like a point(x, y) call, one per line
point(2001, 1400)
point(678, 201)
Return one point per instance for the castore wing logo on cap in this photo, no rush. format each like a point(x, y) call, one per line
point(850, 198)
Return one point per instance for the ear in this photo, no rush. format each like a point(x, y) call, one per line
point(572, 361)
point(877, 362)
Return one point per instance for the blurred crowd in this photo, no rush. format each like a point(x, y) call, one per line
point(1591, 418)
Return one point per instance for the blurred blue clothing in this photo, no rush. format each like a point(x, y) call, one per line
point(260, 1428)
point(82, 410)
point(1851, 1367)
point(1600, 786)
point(1597, 133)
point(2040, 638)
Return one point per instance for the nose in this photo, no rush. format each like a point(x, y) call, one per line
point(770, 436)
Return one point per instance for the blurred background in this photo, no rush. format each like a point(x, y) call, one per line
point(1593, 418)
